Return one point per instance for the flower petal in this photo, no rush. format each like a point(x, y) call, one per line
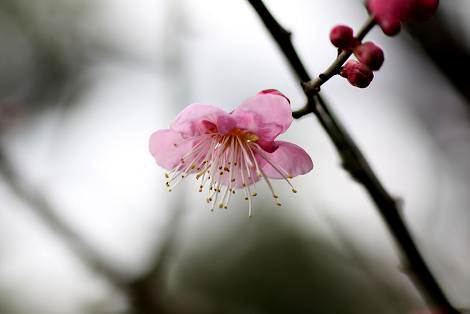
point(267, 114)
point(162, 147)
point(199, 118)
point(289, 157)
point(225, 123)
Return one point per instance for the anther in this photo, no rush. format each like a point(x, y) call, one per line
point(254, 194)
point(167, 175)
point(294, 190)
point(278, 204)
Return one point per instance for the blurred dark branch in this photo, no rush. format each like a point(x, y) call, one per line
point(446, 49)
point(54, 69)
point(355, 163)
point(147, 291)
point(47, 213)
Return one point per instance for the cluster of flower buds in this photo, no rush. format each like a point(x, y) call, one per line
point(389, 14)
point(370, 56)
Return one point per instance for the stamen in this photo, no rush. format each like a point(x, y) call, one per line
point(268, 182)
point(247, 163)
point(214, 159)
point(216, 197)
point(231, 180)
point(277, 168)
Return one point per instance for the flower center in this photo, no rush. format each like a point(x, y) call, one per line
point(247, 136)
point(225, 162)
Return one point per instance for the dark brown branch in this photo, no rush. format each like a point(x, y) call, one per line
point(355, 163)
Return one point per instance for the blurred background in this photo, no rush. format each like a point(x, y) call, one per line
point(86, 225)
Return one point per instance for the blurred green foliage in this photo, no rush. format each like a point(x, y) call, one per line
point(268, 265)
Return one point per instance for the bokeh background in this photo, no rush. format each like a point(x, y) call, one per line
point(86, 225)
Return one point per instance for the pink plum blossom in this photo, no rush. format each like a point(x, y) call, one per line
point(229, 151)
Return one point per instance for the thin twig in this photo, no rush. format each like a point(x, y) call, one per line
point(313, 86)
point(355, 163)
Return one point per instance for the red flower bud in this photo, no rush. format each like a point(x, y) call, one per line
point(341, 36)
point(389, 13)
point(424, 9)
point(390, 25)
point(358, 74)
point(370, 54)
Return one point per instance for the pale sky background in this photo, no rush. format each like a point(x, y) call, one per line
point(94, 165)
